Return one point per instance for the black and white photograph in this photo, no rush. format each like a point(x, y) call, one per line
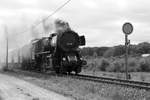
point(74, 50)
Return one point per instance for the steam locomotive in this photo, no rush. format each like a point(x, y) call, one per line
point(58, 52)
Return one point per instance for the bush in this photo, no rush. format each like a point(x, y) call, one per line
point(109, 53)
point(118, 66)
point(104, 64)
point(144, 65)
point(110, 69)
point(133, 65)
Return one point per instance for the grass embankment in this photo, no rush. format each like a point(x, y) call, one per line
point(83, 90)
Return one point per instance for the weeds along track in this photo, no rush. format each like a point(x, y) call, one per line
point(127, 83)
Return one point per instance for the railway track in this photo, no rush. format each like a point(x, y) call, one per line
point(127, 83)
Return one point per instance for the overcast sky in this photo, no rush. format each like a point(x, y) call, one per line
point(99, 20)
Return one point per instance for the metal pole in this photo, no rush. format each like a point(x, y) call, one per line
point(6, 32)
point(126, 55)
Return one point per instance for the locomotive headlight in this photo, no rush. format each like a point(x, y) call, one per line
point(64, 59)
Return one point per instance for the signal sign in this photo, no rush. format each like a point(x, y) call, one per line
point(127, 28)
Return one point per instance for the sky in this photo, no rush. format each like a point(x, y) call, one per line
point(99, 20)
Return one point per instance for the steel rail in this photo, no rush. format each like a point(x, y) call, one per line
point(120, 80)
point(127, 83)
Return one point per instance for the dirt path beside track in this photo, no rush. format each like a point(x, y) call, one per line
point(12, 88)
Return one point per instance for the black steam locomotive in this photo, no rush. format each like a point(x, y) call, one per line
point(58, 52)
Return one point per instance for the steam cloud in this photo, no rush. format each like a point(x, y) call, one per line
point(17, 35)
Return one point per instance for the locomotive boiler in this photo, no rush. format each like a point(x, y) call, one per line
point(58, 52)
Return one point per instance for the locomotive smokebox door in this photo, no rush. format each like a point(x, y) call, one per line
point(82, 40)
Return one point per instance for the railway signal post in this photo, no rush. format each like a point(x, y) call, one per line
point(127, 30)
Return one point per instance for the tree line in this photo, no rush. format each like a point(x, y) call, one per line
point(135, 50)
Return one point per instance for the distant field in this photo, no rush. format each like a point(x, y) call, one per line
point(138, 67)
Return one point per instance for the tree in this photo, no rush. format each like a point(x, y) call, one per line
point(143, 47)
point(109, 52)
point(104, 65)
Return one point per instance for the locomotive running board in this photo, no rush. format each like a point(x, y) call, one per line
point(47, 52)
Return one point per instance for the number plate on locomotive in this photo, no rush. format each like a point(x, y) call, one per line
point(72, 58)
